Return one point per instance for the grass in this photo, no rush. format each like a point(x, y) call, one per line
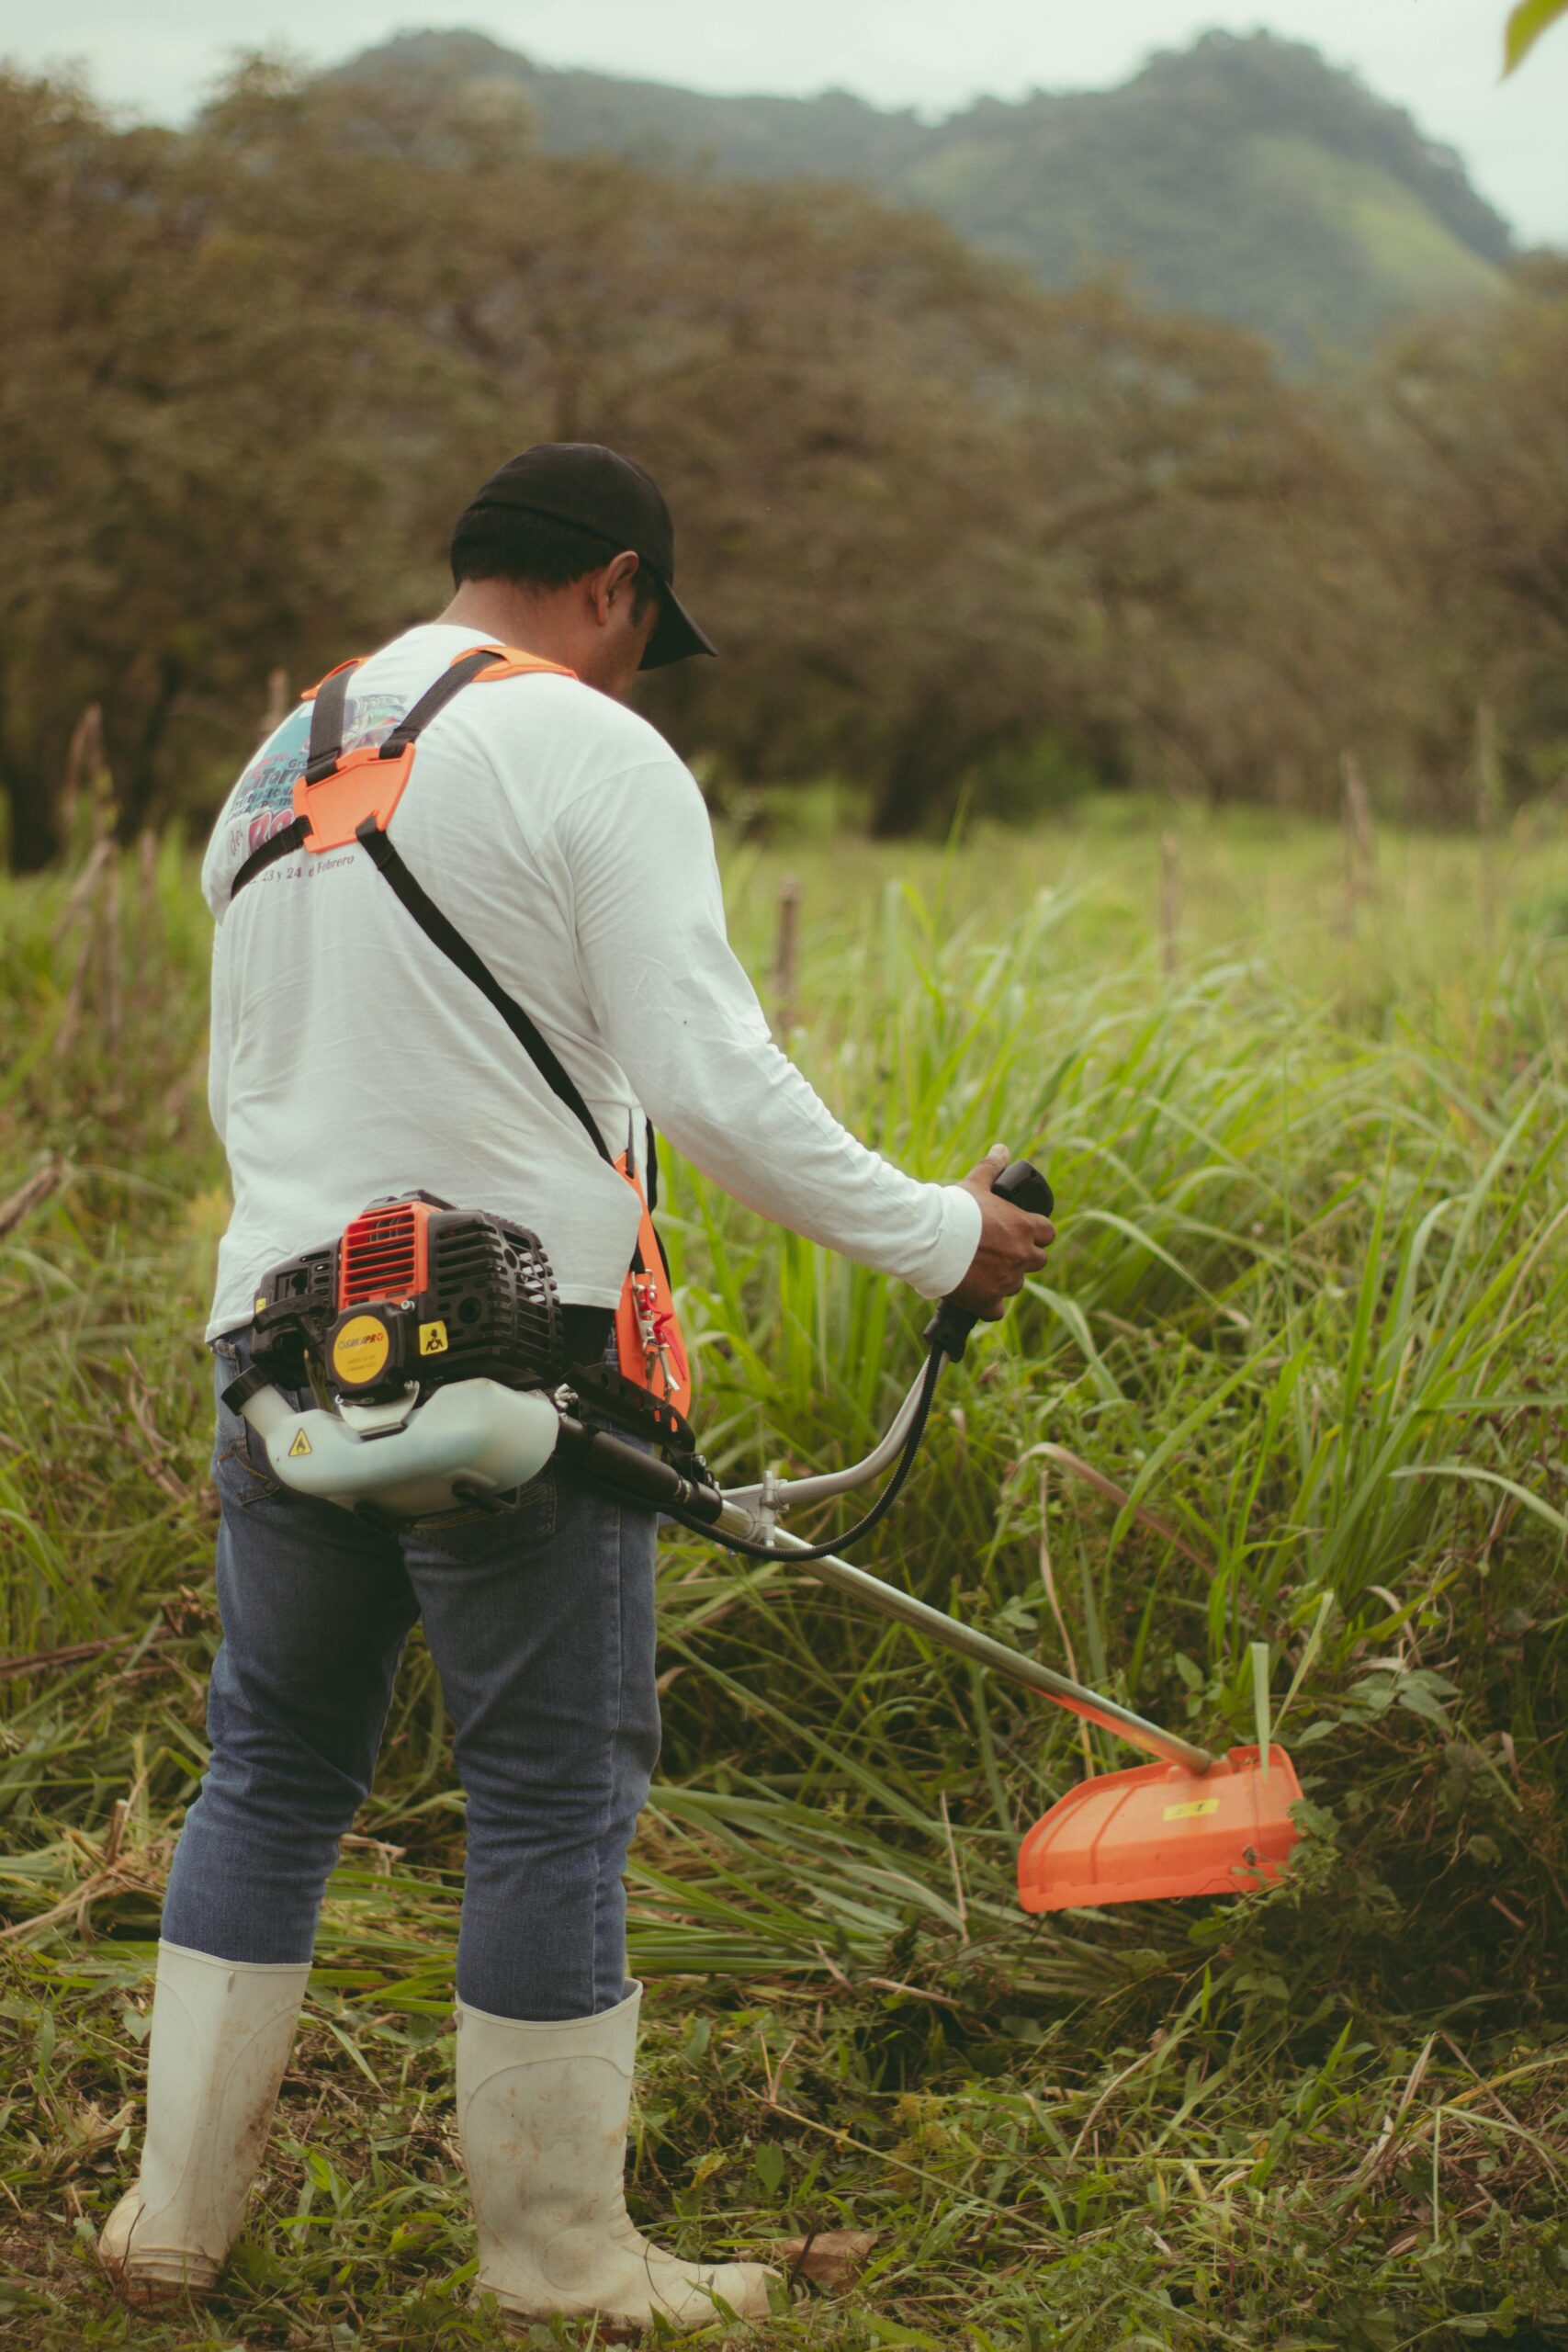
point(1308, 1323)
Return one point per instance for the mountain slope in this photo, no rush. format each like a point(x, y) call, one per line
point(1243, 178)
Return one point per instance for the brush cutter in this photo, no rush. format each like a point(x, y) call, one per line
point(430, 1338)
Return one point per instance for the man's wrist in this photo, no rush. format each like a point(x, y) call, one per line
point(956, 1243)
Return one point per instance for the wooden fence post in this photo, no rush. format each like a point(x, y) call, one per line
point(1169, 901)
point(786, 957)
point(1488, 814)
point(97, 972)
point(82, 761)
point(1361, 842)
point(276, 709)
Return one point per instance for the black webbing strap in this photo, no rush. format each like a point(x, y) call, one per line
point(455, 948)
point(433, 699)
point(279, 844)
point(326, 724)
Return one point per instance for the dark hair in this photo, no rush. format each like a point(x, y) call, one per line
point(535, 552)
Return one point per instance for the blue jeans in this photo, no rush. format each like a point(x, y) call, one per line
point(541, 1625)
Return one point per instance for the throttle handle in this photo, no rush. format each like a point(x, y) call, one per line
point(1022, 1183)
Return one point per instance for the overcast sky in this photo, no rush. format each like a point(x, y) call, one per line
point(1439, 58)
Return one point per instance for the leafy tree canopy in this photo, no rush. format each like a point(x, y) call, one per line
point(941, 515)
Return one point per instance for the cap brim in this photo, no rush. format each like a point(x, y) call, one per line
point(676, 635)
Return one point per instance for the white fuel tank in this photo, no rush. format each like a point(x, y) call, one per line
point(488, 1438)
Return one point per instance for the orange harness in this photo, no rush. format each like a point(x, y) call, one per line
point(344, 797)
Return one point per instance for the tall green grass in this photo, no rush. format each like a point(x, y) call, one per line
point(1306, 1325)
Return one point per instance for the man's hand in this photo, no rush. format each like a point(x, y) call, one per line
point(1014, 1243)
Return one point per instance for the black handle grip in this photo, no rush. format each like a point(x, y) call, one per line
point(1022, 1183)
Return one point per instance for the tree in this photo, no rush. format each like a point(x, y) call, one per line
point(191, 484)
point(935, 513)
point(1477, 467)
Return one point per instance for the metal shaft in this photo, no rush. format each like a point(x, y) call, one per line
point(888, 1601)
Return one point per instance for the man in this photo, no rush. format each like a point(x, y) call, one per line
point(350, 1062)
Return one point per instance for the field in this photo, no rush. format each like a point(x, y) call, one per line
point(1308, 1325)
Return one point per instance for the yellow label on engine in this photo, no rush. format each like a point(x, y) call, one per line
point(361, 1348)
point(1190, 1812)
point(300, 1446)
point(433, 1339)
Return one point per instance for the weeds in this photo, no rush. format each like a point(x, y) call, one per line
point(1277, 1443)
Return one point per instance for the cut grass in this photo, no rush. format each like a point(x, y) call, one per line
point(1306, 1322)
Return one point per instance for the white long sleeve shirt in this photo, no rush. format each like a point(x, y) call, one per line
point(562, 836)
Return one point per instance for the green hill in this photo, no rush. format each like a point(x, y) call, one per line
point(1243, 178)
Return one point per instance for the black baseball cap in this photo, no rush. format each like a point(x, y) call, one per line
point(615, 500)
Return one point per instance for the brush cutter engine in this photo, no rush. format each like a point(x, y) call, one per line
point(430, 1338)
point(416, 1294)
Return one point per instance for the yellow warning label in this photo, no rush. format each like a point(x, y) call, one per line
point(261, 1304)
point(433, 1339)
point(300, 1446)
point(361, 1348)
point(1190, 1812)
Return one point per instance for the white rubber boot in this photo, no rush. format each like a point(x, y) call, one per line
point(542, 2115)
point(220, 2043)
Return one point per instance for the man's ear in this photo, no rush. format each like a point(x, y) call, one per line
point(613, 583)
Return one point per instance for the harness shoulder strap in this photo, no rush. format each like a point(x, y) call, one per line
point(277, 846)
point(326, 751)
point(328, 701)
point(326, 721)
point(433, 700)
